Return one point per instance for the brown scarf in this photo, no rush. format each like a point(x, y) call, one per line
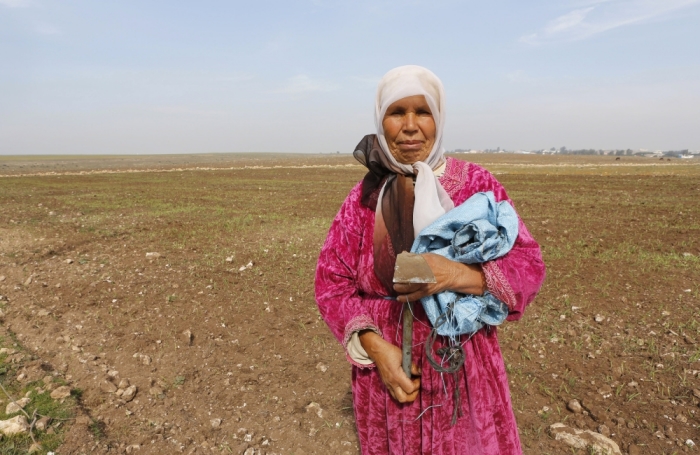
point(396, 235)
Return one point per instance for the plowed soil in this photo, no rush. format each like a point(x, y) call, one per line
point(193, 279)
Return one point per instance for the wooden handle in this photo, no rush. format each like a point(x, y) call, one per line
point(407, 342)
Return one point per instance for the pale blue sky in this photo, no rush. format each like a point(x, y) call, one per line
point(170, 76)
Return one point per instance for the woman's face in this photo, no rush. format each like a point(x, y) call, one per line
point(409, 129)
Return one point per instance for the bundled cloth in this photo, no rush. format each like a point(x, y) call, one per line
point(477, 231)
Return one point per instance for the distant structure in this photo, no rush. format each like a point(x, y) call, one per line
point(682, 154)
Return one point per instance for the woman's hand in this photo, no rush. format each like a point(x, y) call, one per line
point(387, 358)
point(450, 275)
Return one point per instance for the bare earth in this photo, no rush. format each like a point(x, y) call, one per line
point(192, 277)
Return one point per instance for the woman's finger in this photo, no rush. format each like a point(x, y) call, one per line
point(392, 393)
point(404, 382)
point(407, 288)
point(416, 385)
point(411, 397)
point(408, 386)
point(408, 396)
point(415, 370)
point(415, 296)
point(403, 397)
point(402, 389)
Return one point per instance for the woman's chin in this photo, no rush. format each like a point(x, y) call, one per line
point(410, 156)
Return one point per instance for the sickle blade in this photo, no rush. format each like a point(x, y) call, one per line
point(412, 268)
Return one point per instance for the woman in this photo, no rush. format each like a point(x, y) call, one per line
point(380, 218)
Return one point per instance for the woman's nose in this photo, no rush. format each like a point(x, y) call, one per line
point(409, 123)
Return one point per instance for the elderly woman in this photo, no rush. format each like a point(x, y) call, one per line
point(409, 185)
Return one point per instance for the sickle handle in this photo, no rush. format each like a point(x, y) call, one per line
point(407, 342)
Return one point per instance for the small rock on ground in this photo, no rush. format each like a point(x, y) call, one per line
point(43, 423)
point(574, 406)
point(584, 439)
point(61, 393)
point(155, 391)
point(107, 386)
point(16, 425)
point(16, 406)
point(315, 407)
point(129, 393)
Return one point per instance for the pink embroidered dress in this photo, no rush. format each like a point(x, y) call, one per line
point(351, 298)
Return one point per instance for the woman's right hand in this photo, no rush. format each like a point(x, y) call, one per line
point(387, 358)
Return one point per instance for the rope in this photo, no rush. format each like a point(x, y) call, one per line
point(453, 355)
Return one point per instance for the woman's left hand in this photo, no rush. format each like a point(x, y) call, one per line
point(449, 275)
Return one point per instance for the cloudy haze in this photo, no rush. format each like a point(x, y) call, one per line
point(299, 76)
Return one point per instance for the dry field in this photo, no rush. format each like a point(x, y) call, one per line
point(192, 279)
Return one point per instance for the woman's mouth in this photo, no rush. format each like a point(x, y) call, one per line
point(411, 145)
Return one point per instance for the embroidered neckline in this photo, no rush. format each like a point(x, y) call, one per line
point(455, 176)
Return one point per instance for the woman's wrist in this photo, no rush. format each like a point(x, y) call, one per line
point(469, 279)
point(369, 339)
point(455, 276)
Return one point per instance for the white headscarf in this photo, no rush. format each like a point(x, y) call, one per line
point(431, 199)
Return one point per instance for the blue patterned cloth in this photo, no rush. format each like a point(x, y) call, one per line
point(476, 231)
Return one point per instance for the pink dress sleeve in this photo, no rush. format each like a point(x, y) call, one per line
point(516, 277)
point(337, 289)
